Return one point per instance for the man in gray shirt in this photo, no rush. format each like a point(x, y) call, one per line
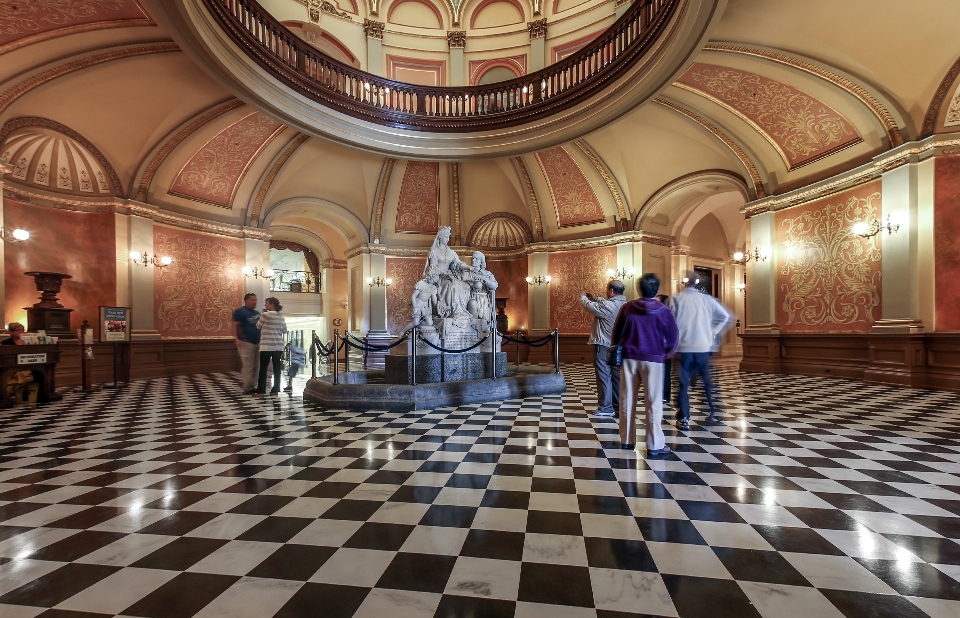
point(604, 312)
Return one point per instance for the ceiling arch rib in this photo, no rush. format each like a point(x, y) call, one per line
point(271, 175)
point(667, 207)
point(351, 228)
point(946, 91)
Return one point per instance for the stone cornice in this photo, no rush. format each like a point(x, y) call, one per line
point(911, 152)
point(131, 207)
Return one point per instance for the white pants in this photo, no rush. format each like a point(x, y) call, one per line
point(632, 372)
point(249, 364)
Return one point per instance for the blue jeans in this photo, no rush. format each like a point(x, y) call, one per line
point(691, 365)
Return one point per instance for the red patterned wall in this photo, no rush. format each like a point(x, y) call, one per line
point(574, 272)
point(213, 173)
point(196, 295)
point(573, 196)
point(804, 128)
point(511, 277)
point(419, 207)
point(828, 278)
point(80, 244)
point(405, 273)
point(19, 20)
point(947, 241)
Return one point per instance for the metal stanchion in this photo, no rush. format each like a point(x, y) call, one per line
point(443, 361)
point(336, 356)
point(517, 335)
point(346, 352)
point(313, 354)
point(413, 356)
point(493, 352)
point(556, 349)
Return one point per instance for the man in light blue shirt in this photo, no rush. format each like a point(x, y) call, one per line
point(604, 312)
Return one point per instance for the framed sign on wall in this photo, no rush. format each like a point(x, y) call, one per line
point(114, 324)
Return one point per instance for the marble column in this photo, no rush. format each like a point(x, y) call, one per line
point(762, 276)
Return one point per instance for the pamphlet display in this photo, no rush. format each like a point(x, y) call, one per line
point(114, 324)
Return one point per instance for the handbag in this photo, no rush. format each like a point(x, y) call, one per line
point(615, 355)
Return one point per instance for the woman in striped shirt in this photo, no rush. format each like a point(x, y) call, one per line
point(272, 329)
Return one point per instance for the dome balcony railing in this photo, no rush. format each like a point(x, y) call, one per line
point(443, 109)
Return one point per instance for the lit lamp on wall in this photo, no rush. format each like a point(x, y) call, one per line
point(867, 230)
point(757, 255)
point(621, 273)
point(16, 235)
point(257, 273)
point(539, 280)
point(742, 287)
point(379, 282)
point(144, 259)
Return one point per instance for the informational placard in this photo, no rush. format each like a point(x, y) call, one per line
point(31, 359)
point(114, 324)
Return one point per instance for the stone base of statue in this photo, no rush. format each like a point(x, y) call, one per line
point(368, 390)
point(446, 368)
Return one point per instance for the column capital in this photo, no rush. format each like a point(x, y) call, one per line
point(373, 29)
point(456, 39)
point(537, 29)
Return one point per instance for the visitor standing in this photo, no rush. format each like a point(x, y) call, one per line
point(272, 329)
point(604, 312)
point(701, 318)
point(647, 332)
point(247, 336)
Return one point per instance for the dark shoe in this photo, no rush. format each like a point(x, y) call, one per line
point(659, 453)
point(713, 419)
point(603, 413)
point(628, 447)
point(289, 389)
point(250, 391)
point(683, 425)
point(259, 394)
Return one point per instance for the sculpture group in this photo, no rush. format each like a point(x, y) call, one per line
point(454, 301)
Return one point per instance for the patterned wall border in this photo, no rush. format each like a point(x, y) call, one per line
point(532, 197)
point(77, 29)
point(729, 143)
point(499, 215)
point(384, 183)
point(36, 121)
point(267, 182)
point(22, 88)
point(876, 107)
point(611, 183)
point(943, 90)
point(146, 179)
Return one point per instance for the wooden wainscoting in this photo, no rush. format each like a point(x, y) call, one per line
point(930, 360)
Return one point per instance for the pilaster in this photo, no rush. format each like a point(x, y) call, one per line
point(256, 254)
point(457, 40)
point(538, 43)
point(140, 280)
point(374, 32)
point(539, 297)
point(762, 276)
point(5, 168)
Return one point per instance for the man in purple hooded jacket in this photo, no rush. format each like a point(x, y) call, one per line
point(648, 333)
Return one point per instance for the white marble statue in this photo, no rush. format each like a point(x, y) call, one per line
point(483, 284)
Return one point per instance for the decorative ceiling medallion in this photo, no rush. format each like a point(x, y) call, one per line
point(803, 128)
point(213, 174)
point(499, 230)
point(28, 18)
point(49, 156)
point(419, 209)
point(573, 196)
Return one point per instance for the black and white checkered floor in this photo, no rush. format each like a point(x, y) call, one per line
point(177, 498)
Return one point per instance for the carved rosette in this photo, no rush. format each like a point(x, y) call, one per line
point(537, 29)
point(373, 29)
point(457, 39)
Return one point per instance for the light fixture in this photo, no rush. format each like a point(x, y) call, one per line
point(379, 282)
point(757, 255)
point(144, 259)
point(345, 304)
point(257, 273)
point(867, 230)
point(15, 235)
point(621, 273)
point(741, 287)
point(539, 280)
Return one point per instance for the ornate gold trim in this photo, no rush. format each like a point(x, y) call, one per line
point(876, 107)
point(20, 89)
point(272, 175)
point(381, 197)
point(532, 195)
point(455, 197)
point(147, 178)
point(608, 179)
point(77, 29)
point(729, 143)
point(335, 264)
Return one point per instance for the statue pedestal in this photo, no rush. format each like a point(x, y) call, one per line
point(453, 368)
point(56, 322)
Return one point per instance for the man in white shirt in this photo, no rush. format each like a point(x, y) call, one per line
point(701, 319)
point(604, 312)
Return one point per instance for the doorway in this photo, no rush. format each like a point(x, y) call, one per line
point(709, 281)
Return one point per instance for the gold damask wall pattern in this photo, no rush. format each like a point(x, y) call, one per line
point(23, 19)
point(573, 196)
point(574, 272)
point(214, 172)
point(803, 128)
point(828, 277)
point(419, 208)
point(196, 295)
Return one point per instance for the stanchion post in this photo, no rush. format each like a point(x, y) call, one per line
point(517, 335)
point(493, 352)
point(556, 349)
point(443, 361)
point(313, 354)
point(413, 356)
point(346, 352)
point(336, 356)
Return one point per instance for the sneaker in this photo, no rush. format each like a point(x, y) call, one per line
point(628, 447)
point(713, 419)
point(659, 453)
point(604, 413)
point(683, 425)
point(667, 406)
point(289, 389)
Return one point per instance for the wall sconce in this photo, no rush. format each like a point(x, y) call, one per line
point(539, 280)
point(741, 287)
point(757, 255)
point(16, 235)
point(621, 273)
point(873, 228)
point(256, 273)
point(379, 282)
point(345, 304)
point(144, 259)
